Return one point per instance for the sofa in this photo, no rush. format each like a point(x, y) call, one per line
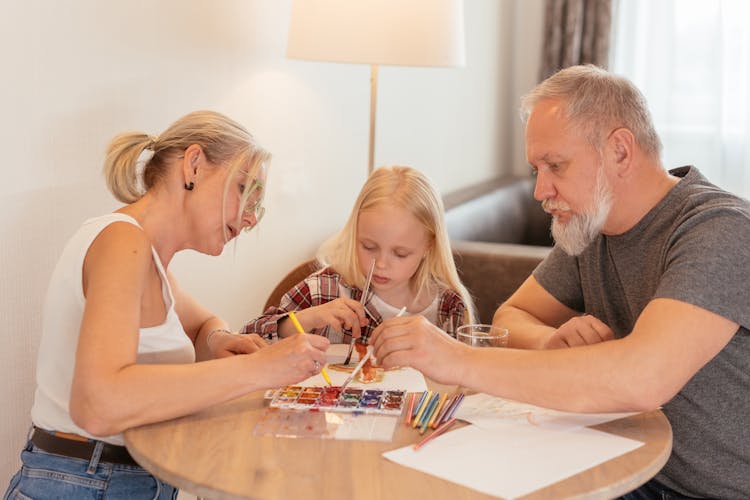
point(499, 234)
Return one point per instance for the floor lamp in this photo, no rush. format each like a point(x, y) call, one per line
point(376, 32)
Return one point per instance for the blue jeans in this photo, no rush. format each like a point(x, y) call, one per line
point(654, 490)
point(45, 476)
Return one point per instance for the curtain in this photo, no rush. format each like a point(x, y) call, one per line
point(575, 32)
point(691, 59)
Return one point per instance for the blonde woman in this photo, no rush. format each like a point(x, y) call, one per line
point(396, 227)
point(120, 338)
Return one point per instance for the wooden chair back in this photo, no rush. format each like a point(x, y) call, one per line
point(287, 282)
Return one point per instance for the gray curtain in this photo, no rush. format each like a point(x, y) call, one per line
point(575, 32)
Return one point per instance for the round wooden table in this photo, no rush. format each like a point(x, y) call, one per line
point(214, 454)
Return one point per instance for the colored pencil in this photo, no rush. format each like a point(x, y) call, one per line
point(419, 404)
point(412, 399)
point(449, 410)
point(428, 414)
point(431, 410)
point(435, 414)
point(444, 409)
point(452, 411)
point(427, 410)
point(301, 330)
point(415, 409)
point(422, 409)
point(440, 430)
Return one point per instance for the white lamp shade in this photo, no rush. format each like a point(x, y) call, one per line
point(390, 32)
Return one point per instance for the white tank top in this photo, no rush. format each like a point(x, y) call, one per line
point(61, 324)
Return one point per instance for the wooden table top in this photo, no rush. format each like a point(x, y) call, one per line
point(214, 454)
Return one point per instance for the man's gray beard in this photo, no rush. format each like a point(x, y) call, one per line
point(575, 235)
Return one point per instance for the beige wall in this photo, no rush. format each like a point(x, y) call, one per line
point(77, 72)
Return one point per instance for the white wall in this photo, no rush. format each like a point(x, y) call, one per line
point(80, 71)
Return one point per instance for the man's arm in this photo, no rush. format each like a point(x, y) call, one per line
point(532, 315)
point(671, 341)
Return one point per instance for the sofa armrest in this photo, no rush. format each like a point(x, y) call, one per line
point(493, 271)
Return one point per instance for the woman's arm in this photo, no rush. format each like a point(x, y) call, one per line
point(110, 392)
point(198, 323)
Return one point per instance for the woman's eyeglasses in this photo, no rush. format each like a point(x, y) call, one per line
point(256, 210)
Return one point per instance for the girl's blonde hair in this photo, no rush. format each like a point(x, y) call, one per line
point(410, 189)
point(224, 142)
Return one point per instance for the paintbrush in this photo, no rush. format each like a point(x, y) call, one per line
point(365, 358)
point(362, 300)
point(357, 368)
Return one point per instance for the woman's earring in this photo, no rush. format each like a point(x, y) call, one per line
point(190, 186)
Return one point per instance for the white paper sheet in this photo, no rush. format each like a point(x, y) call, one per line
point(407, 379)
point(491, 412)
point(513, 460)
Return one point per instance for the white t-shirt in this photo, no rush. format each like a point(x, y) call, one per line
point(61, 324)
point(388, 311)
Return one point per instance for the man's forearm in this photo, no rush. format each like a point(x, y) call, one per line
point(526, 331)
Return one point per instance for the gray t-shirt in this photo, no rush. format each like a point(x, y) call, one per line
point(694, 246)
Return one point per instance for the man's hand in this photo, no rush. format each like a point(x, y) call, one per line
point(414, 341)
point(578, 331)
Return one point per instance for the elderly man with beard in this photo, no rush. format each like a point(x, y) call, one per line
point(641, 304)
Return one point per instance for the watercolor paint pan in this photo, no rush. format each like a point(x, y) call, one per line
point(370, 401)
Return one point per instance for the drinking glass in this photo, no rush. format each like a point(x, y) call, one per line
point(479, 335)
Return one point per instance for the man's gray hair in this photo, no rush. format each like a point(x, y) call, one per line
point(597, 102)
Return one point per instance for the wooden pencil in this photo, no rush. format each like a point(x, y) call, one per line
point(432, 424)
point(447, 406)
point(411, 407)
point(452, 411)
point(450, 408)
point(422, 408)
point(428, 413)
point(440, 430)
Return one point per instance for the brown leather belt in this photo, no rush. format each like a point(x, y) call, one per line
point(80, 448)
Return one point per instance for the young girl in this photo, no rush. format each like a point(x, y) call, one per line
point(396, 228)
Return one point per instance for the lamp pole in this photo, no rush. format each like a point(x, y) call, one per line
point(373, 112)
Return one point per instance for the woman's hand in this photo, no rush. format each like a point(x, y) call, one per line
point(581, 330)
point(292, 359)
point(223, 344)
point(340, 314)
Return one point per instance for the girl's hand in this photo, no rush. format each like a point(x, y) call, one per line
point(340, 314)
point(223, 344)
point(581, 330)
point(292, 359)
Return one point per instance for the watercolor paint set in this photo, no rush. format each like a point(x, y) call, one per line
point(332, 398)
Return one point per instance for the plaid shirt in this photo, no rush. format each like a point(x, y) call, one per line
point(323, 286)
